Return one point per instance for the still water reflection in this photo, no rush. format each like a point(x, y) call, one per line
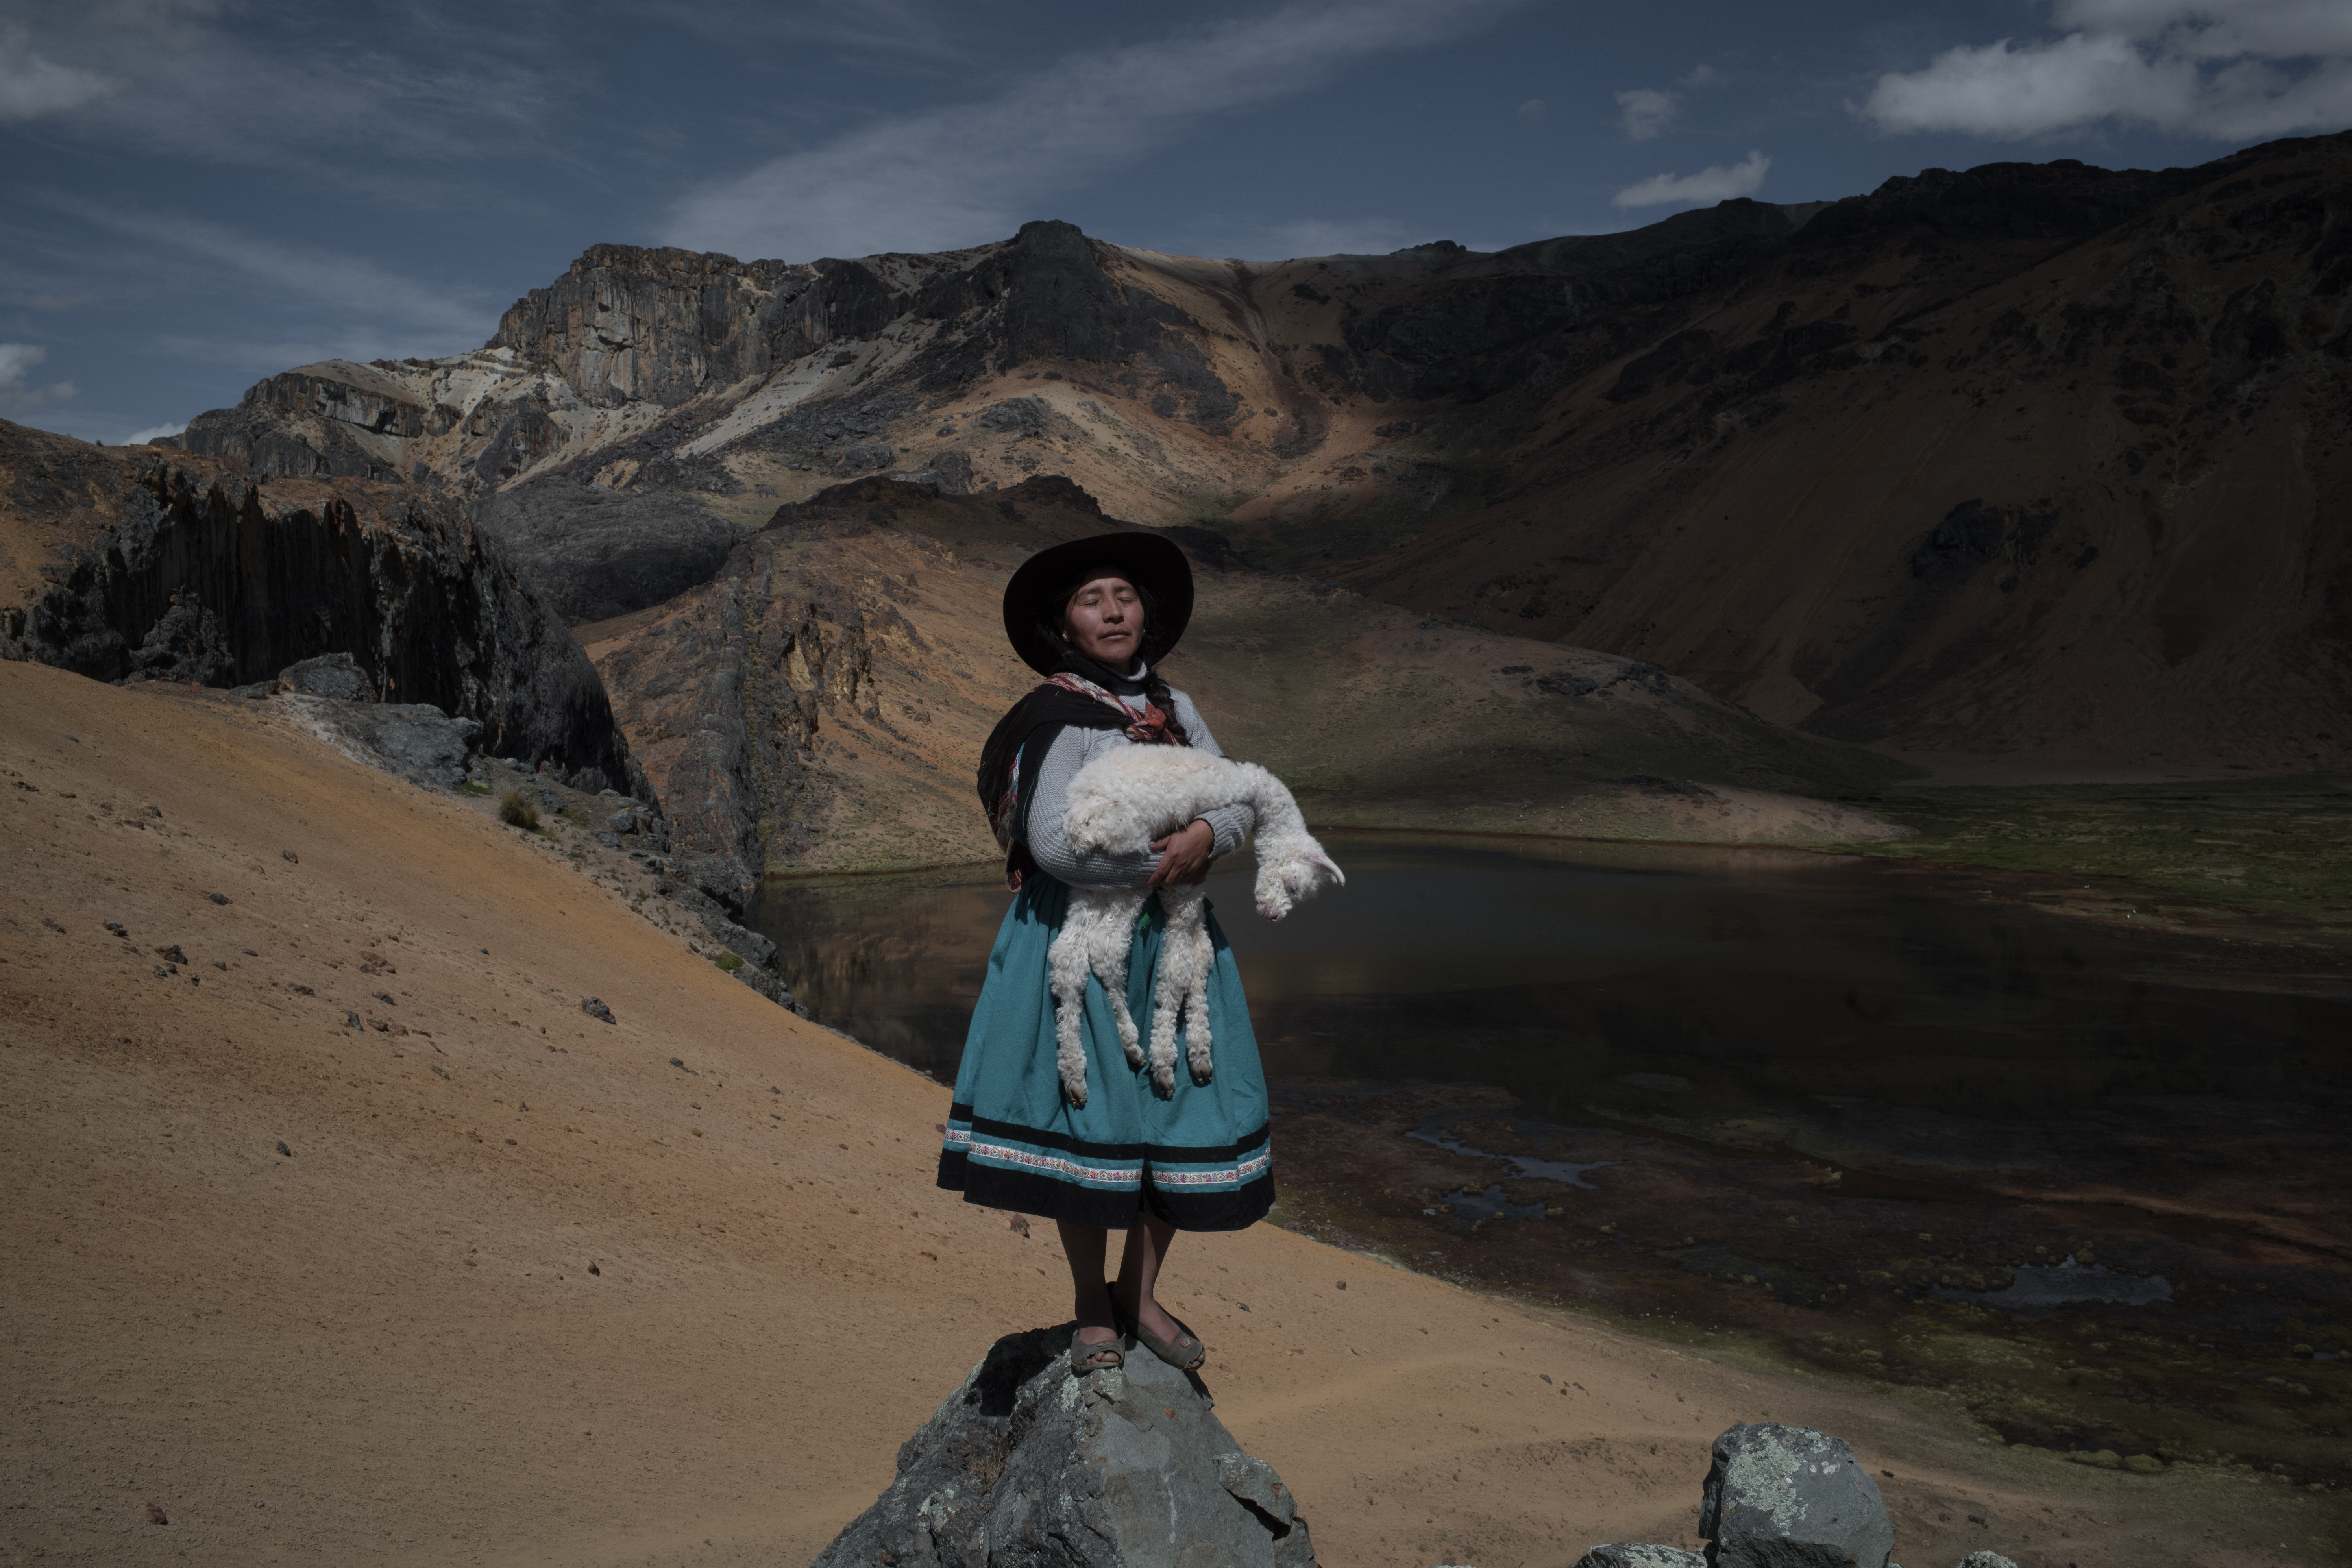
point(1901, 1123)
point(1717, 980)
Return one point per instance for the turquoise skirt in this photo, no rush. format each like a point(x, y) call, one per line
point(1200, 1160)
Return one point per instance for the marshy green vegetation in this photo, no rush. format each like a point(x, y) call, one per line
point(2275, 846)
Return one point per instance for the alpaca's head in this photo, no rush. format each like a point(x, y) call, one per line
point(1285, 881)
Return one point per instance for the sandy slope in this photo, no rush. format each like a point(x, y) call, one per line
point(523, 1290)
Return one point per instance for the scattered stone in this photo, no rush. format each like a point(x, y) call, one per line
point(284, 1149)
point(1986, 1560)
point(1632, 1554)
point(172, 953)
point(622, 822)
point(155, 1514)
point(290, 856)
point(153, 810)
point(595, 1009)
point(677, 1062)
point(29, 785)
point(217, 898)
point(302, 991)
point(1789, 1496)
point(609, 840)
point(351, 1020)
point(1128, 1467)
point(335, 675)
point(116, 927)
point(53, 925)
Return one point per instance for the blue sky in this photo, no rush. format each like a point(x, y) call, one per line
point(194, 193)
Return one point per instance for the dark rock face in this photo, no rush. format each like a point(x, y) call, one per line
point(1027, 1464)
point(197, 582)
point(1787, 1497)
point(599, 552)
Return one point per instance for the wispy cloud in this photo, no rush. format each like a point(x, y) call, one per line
point(379, 304)
point(2230, 73)
point(1645, 111)
point(32, 85)
point(1532, 111)
point(966, 173)
point(140, 437)
point(1721, 183)
point(17, 395)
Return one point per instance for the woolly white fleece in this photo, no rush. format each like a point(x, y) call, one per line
point(1121, 802)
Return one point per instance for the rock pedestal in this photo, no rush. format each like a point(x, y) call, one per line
point(1027, 1464)
point(1788, 1497)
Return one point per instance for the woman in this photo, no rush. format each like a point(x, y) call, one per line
point(1093, 616)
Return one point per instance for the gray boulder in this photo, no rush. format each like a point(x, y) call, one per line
point(335, 675)
point(1027, 1464)
point(1986, 1560)
point(1789, 1496)
point(1634, 1554)
point(414, 741)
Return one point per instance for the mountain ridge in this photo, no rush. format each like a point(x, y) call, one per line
point(1749, 443)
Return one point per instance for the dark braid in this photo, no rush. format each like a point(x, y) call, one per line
point(1155, 688)
point(1155, 691)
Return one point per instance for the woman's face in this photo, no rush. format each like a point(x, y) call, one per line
point(1103, 620)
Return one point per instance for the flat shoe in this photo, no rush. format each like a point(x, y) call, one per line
point(1185, 1352)
point(1087, 1356)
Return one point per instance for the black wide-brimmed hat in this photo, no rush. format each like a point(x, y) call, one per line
point(1033, 600)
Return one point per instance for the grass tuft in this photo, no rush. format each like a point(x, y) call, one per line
point(730, 961)
point(517, 812)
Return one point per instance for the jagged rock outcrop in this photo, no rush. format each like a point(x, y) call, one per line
point(1024, 1464)
point(159, 568)
point(793, 697)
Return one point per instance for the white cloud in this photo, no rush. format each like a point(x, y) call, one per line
point(1719, 183)
point(32, 86)
point(2232, 70)
point(966, 173)
point(1532, 111)
point(140, 437)
point(1647, 112)
point(17, 395)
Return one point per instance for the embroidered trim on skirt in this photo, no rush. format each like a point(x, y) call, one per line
point(1201, 1160)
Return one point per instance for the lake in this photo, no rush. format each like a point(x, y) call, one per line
point(1897, 1122)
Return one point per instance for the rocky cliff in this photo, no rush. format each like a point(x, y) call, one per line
point(127, 564)
point(2034, 459)
point(819, 703)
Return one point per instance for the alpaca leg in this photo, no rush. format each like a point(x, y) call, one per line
point(1199, 958)
point(1113, 938)
point(1067, 968)
point(1177, 996)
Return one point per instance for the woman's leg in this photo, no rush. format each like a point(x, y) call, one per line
point(1138, 1273)
point(1083, 1246)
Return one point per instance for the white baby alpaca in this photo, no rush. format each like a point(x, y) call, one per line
point(1122, 801)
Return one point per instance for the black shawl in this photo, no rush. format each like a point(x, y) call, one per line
point(1018, 745)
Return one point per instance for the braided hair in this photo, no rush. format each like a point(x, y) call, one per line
point(1155, 686)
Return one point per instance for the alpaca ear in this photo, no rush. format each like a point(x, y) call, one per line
point(1319, 859)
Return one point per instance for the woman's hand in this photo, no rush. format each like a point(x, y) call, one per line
point(1185, 857)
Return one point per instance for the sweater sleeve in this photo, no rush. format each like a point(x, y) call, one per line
point(1233, 823)
point(1050, 846)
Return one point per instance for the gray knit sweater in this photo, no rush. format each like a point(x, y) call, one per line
point(1073, 749)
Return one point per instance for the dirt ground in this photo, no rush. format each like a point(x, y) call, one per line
point(335, 1229)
